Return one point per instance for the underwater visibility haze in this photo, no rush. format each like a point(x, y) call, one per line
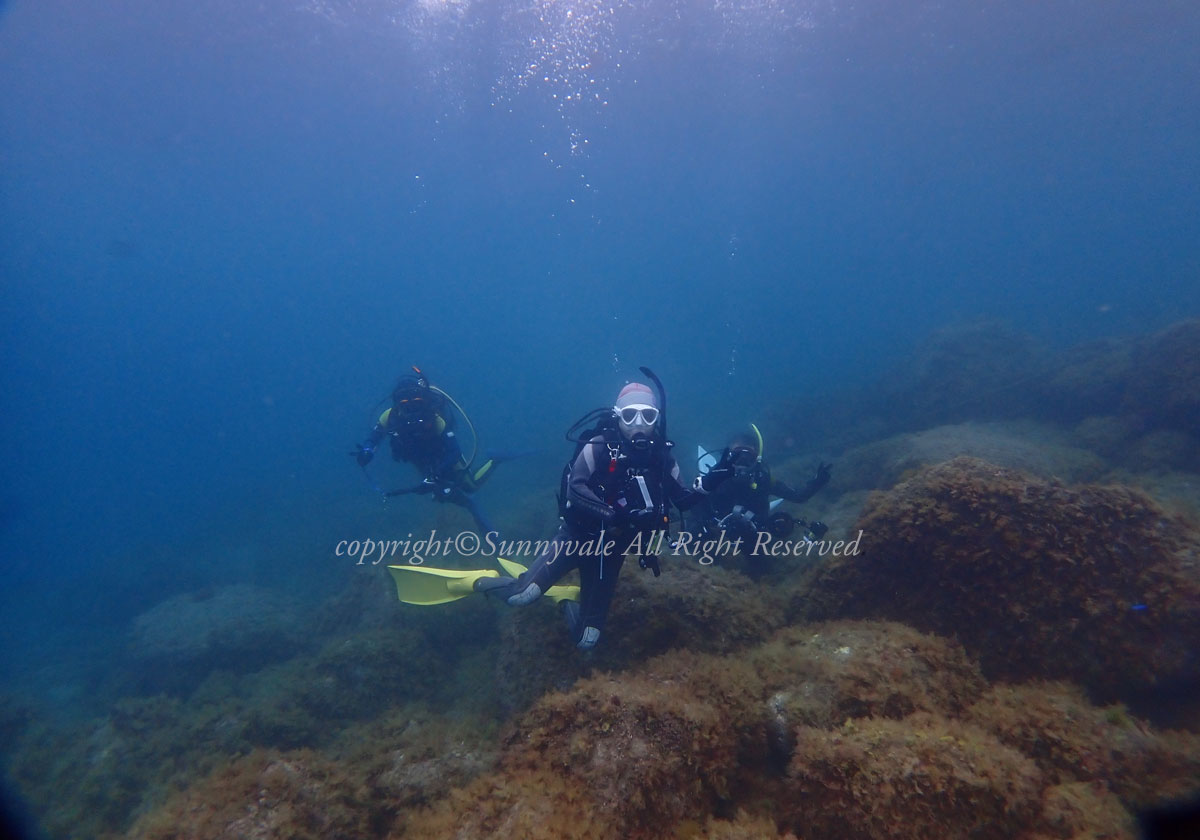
point(951, 249)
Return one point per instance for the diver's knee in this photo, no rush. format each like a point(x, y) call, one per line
point(588, 639)
point(506, 589)
point(526, 596)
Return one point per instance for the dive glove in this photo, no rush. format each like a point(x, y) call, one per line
point(363, 454)
point(713, 479)
point(650, 561)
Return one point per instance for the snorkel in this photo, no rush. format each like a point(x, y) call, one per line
point(758, 461)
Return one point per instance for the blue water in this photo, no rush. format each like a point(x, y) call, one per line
point(226, 228)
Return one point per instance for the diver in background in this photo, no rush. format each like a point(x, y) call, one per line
point(617, 487)
point(420, 430)
point(742, 506)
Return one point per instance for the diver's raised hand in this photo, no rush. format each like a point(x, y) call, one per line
point(713, 479)
point(363, 453)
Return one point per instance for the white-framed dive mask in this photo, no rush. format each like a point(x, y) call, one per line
point(635, 415)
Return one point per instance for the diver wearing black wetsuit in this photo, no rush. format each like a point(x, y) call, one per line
point(752, 486)
point(618, 487)
point(741, 507)
point(419, 432)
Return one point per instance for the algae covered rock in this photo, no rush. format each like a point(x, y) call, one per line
point(89, 778)
point(237, 628)
point(267, 796)
point(616, 756)
point(159, 762)
point(921, 777)
point(651, 748)
point(1163, 450)
point(890, 733)
point(823, 675)
point(971, 370)
point(1088, 379)
point(1164, 379)
point(1085, 811)
point(693, 607)
point(658, 749)
point(690, 607)
point(1073, 741)
point(1036, 579)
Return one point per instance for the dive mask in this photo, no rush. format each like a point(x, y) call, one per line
point(644, 415)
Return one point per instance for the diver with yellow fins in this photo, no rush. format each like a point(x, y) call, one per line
point(615, 494)
point(419, 427)
point(743, 506)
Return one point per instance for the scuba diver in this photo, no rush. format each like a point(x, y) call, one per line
point(613, 496)
point(420, 430)
point(743, 507)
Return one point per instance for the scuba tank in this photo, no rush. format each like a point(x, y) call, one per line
point(602, 424)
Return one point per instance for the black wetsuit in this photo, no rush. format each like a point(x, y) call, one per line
point(747, 496)
point(602, 491)
point(753, 490)
point(428, 443)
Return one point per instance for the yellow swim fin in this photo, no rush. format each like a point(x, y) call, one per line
point(427, 586)
point(556, 593)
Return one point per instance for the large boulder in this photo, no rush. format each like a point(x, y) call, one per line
point(1164, 378)
point(825, 674)
point(237, 628)
point(1095, 584)
point(696, 607)
point(265, 796)
point(631, 756)
point(983, 370)
point(1085, 380)
point(1073, 741)
point(687, 736)
point(921, 777)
